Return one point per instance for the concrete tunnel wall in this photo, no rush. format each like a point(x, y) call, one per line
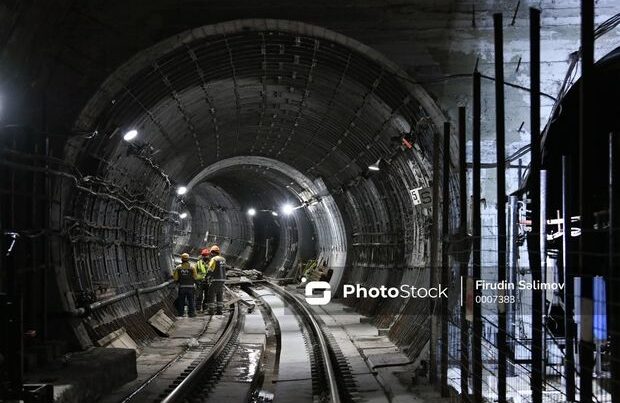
point(374, 214)
point(419, 37)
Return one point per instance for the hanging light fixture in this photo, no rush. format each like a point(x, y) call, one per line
point(130, 135)
point(375, 166)
point(287, 209)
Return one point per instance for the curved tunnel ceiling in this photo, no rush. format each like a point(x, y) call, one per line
point(311, 98)
point(256, 112)
point(312, 104)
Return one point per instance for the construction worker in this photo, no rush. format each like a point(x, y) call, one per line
point(185, 275)
point(202, 265)
point(217, 275)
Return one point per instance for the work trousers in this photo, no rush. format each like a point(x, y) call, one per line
point(201, 294)
point(216, 296)
point(186, 297)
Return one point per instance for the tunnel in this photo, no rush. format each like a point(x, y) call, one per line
point(411, 202)
point(250, 114)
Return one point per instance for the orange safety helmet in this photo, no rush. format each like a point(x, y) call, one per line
point(215, 248)
point(205, 252)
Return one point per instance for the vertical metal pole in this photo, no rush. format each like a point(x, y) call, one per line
point(434, 339)
point(35, 317)
point(46, 242)
point(444, 256)
point(614, 261)
point(543, 224)
point(477, 244)
point(569, 292)
point(15, 327)
point(542, 298)
point(586, 128)
point(501, 203)
point(512, 266)
point(534, 240)
point(463, 265)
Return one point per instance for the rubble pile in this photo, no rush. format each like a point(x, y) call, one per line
point(250, 273)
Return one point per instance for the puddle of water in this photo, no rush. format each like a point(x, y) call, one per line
point(246, 363)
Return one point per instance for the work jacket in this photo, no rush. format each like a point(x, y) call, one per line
point(217, 268)
point(185, 275)
point(201, 269)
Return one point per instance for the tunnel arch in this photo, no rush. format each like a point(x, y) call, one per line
point(115, 82)
point(324, 215)
point(310, 103)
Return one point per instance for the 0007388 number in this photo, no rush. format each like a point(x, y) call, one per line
point(495, 299)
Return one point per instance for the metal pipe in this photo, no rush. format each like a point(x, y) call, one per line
point(586, 128)
point(445, 226)
point(569, 292)
point(434, 338)
point(158, 287)
point(119, 297)
point(501, 202)
point(477, 242)
point(463, 269)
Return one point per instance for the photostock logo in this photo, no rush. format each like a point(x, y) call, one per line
point(317, 285)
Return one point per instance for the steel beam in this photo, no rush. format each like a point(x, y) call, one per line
point(502, 350)
point(445, 227)
point(477, 243)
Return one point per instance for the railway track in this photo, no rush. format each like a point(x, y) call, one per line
point(176, 377)
point(324, 380)
point(270, 349)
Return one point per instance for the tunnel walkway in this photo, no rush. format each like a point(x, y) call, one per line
point(377, 371)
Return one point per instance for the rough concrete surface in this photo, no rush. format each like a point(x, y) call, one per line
point(79, 380)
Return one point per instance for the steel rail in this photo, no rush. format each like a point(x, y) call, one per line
point(192, 380)
point(334, 395)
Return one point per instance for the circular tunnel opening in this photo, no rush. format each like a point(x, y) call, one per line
point(252, 114)
point(295, 219)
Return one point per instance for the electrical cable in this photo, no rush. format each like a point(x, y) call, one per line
point(76, 181)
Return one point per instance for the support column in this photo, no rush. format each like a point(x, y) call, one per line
point(502, 350)
point(569, 287)
point(534, 239)
point(477, 245)
point(586, 127)
point(435, 328)
point(444, 256)
point(464, 255)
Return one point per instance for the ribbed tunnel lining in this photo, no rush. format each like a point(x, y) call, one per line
point(313, 100)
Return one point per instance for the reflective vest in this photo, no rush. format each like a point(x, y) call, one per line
point(185, 274)
point(217, 268)
point(201, 269)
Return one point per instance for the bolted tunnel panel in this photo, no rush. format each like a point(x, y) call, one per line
point(248, 114)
